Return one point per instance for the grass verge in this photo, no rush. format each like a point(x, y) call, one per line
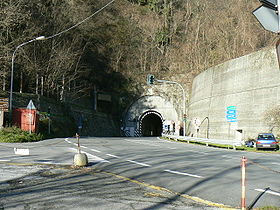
point(16, 135)
point(244, 148)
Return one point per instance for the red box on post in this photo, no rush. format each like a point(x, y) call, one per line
point(26, 119)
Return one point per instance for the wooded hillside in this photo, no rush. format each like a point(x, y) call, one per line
point(115, 49)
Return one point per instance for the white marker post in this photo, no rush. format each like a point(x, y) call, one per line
point(80, 159)
point(243, 180)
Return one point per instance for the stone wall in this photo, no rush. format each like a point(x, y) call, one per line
point(251, 83)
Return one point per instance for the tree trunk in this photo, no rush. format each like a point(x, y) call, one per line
point(62, 88)
point(37, 84)
point(4, 83)
point(21, 82)
point(42, 85)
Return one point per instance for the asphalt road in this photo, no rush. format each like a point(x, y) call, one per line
point(181, 174)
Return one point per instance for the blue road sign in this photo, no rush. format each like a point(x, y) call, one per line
point(231, 114)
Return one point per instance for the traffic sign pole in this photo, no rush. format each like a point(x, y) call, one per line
point(184, 101)
point(268, 15)
point(278, 1)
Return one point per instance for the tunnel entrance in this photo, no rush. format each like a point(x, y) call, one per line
point(151, 124)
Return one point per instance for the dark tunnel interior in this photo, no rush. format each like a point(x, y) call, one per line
point(151, 125)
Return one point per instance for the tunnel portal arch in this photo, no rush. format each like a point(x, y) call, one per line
point(147, 109)
point(151, 124)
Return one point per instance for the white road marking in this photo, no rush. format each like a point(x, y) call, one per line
point(96, 159)
point(115, 156)
point(138, 163)
point(4, 160)
point(92, 157)
point(144, 142)
point(21, 151)
point(46, 162)
point(276, 164)
point(83, 147)
point(73, 149)
point(68, 141)
point(204, 153)
point(185, 174)
point(269, 192)
point(94, 150)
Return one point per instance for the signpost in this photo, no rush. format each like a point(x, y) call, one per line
point(231, 114)
point(150, 79)
point(268, 15)
point(4, 105)
point(231, 117)
point(30, 106)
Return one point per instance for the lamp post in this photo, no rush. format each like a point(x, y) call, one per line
point(184, 101)
point(12, 73)
point(207, 131)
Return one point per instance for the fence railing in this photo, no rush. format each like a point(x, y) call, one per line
point(231, 142)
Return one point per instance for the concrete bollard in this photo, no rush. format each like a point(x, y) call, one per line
point(80, 159)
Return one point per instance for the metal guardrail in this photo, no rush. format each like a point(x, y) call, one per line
point(231, 142)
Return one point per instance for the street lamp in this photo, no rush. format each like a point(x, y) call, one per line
point(12, 73)
point(184, 101)
point(207, 131)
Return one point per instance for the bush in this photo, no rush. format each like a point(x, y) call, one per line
point(16, 135)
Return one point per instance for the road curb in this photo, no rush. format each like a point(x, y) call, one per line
point(203, 143)
point(158, 188)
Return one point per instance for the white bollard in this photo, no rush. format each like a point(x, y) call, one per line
point(243, 185)
point(80, 159)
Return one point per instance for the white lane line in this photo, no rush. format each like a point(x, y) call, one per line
point(185, 174)
point(269, 192)
point(96, 159)
point(204, 153)
point(46, 162)
point(276, 164)
point(138, 163)
point(115, 156)
point(92, 157)
point(94, 150)
point(4, 160)
point(67, 141)
point(144, 142)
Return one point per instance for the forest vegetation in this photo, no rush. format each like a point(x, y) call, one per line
point(115, 49)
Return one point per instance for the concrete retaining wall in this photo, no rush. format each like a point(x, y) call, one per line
point(251, 83)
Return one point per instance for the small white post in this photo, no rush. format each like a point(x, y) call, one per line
point(243, 186)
